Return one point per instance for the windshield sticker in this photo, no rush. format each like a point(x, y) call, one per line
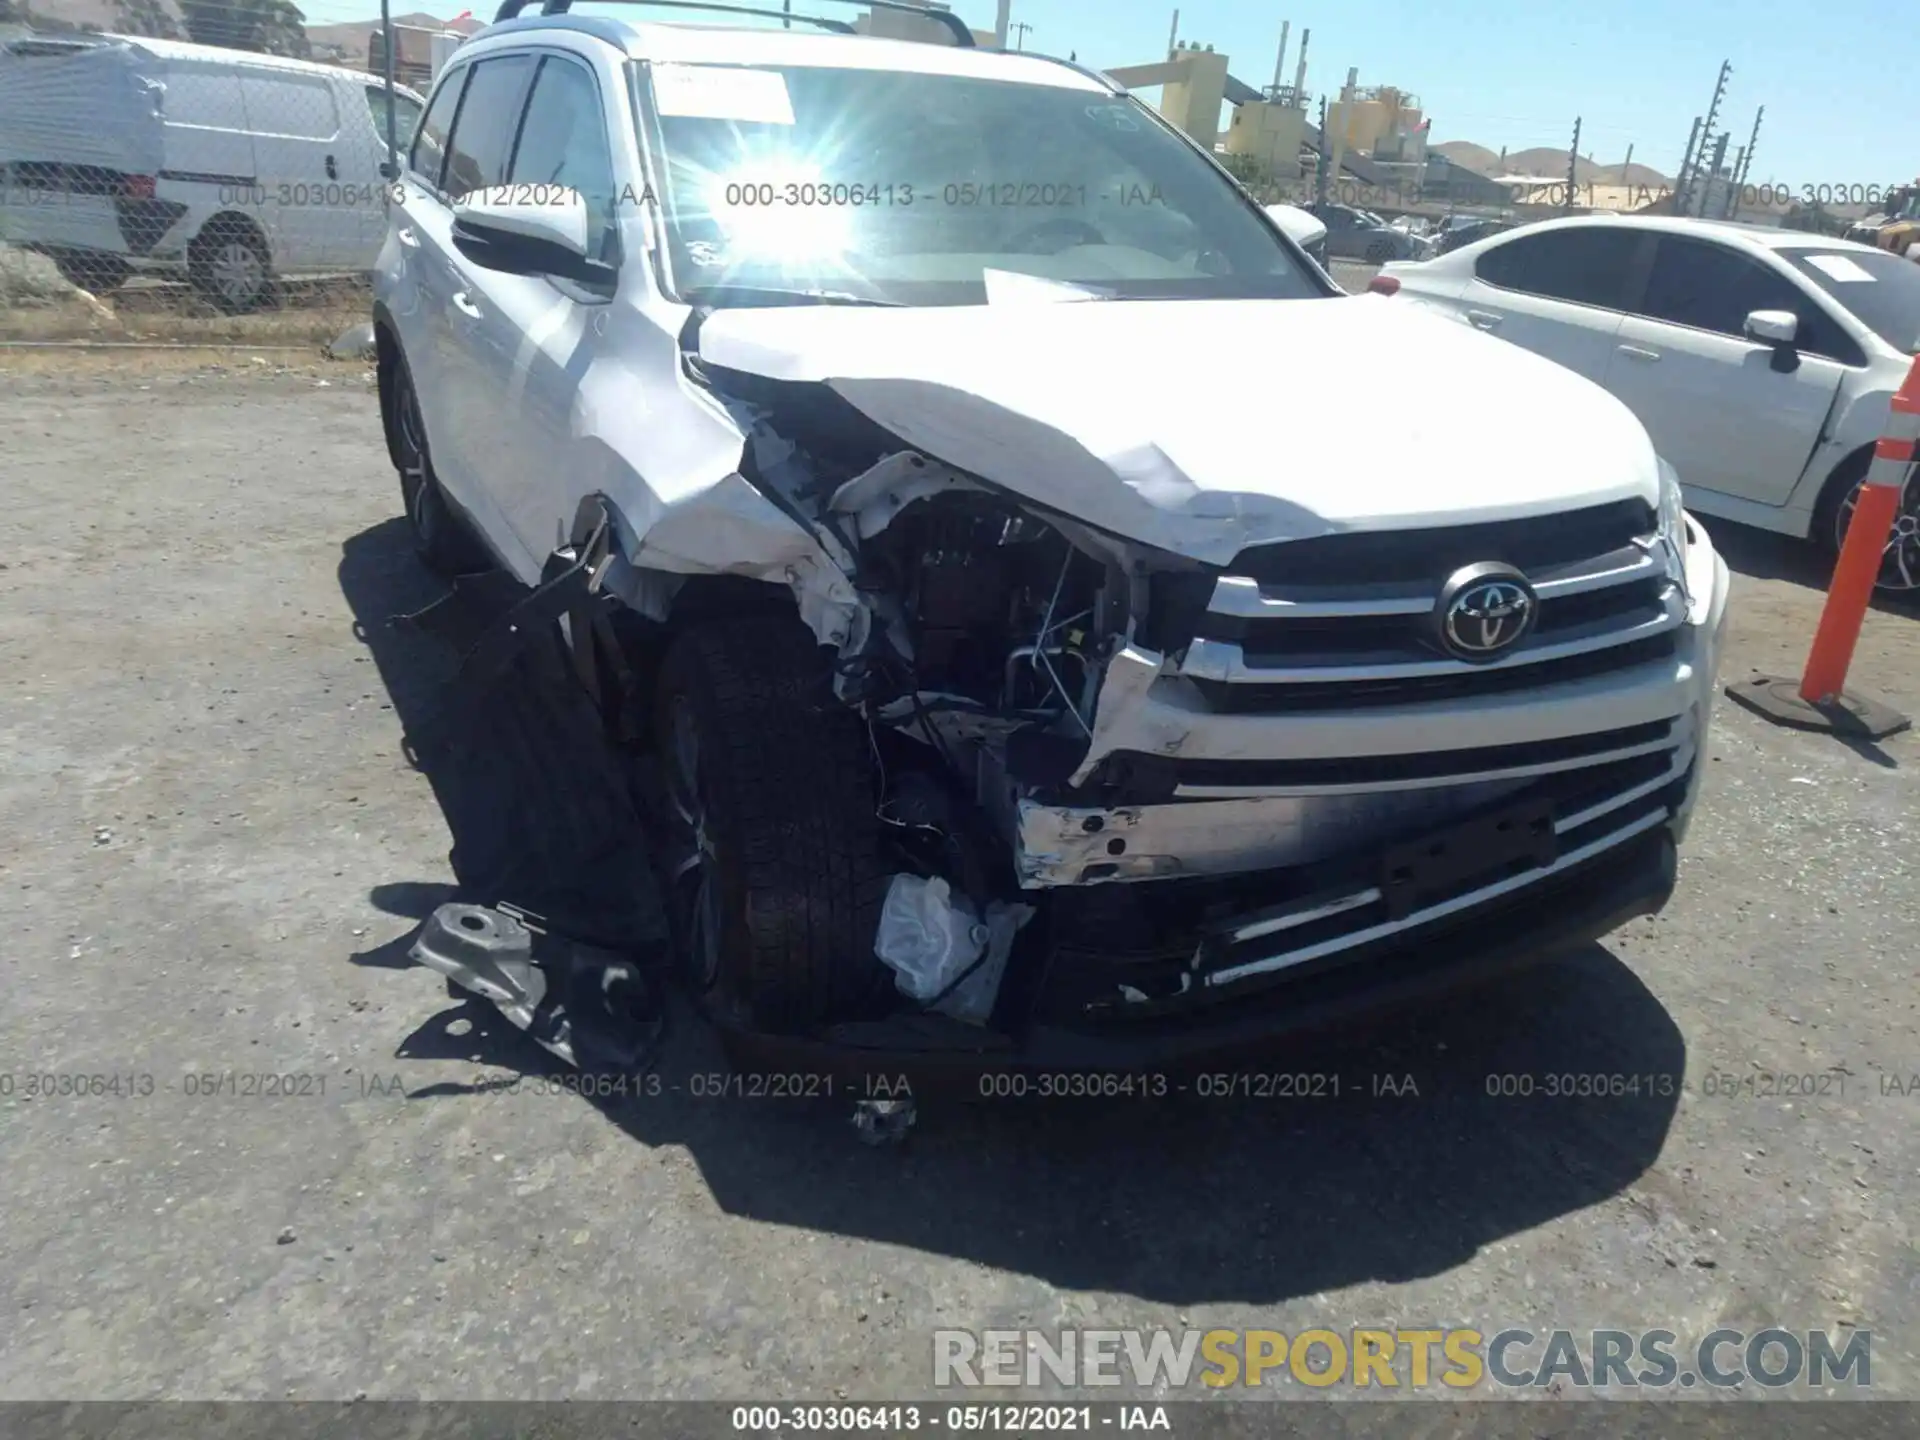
point(1114, 117)
point(1839, 267)
point(723, 92)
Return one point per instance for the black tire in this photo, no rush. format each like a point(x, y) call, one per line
point(1900, 569)
point(93, 271)
point(230, 265)
point(775, 912)
point(440, 536)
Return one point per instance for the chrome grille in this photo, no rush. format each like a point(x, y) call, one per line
point(1278, 635)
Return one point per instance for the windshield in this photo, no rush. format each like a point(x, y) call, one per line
point(928, 189)
point(1880, 289)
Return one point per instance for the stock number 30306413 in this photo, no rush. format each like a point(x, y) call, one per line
point(1004, 1419)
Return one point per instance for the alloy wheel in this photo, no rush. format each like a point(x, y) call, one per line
point(416, 488)
point(1900, 562)
point(693, 868)
point(237, 273)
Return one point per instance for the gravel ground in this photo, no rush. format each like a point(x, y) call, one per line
point(214, 851)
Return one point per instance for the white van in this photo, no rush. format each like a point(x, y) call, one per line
point(122, 153)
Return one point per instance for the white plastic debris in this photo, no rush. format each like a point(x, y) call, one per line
point(353, 343)
point(931, 940)
point(972, 999)
point(925, 936)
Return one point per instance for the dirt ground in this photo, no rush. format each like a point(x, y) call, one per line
point(214, 851)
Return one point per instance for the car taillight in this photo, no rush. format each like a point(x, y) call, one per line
point(1384, 285)
point(137, 187)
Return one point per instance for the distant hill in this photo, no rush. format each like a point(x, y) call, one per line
point(353, 38)
point(1546, 162)
point(1468, 155)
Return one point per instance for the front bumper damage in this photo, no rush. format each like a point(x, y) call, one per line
point(1330, 862)
point(1302, 900)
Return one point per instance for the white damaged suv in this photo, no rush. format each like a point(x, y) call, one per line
point(973, 484)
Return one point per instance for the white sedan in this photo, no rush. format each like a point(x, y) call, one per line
point(1761, 361)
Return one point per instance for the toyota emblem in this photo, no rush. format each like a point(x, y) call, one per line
point(1484, 611)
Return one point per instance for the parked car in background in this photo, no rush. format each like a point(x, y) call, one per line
point(882, 544)
point(1354, 234)
point(1761, 361)
point(121, 154)
point(1460, 231)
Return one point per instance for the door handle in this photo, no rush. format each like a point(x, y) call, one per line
point(464, 304)
point(333, 170)
point(406, 237)
point(1635, 352)
point(1483, 319)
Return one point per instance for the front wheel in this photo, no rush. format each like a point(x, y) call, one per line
point(772, 860)
point(1900, 561)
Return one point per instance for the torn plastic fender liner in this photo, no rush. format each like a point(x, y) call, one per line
point(875, 498)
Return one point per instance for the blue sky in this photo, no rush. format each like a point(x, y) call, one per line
point(1838, 80)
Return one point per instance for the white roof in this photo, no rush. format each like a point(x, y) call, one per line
point(742, 45)
point(1762, 237)
point(220, 55)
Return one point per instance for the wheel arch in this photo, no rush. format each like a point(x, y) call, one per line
point(386, 361)
point(1848, 470)
point(648, 607)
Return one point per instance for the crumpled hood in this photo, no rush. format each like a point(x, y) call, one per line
point(1203, 427)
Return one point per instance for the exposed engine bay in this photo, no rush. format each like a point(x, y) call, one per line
point(990, 625)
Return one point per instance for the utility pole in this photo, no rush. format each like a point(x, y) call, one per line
point(1732, 202)
point(1320, 167)
point(1626, 167)
point(1173, 35)
point(1746, 163)
point(1686, 164)
point(1573, 165)
point(1706, 125)
point(1022, 27)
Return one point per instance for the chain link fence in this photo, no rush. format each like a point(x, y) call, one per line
point(156, 189)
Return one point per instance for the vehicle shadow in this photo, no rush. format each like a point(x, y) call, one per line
point(1767, 555)
point(1429, 1136)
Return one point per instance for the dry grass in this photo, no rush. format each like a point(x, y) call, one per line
point(37, 305)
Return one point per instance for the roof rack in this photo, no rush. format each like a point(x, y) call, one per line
point(955, 26)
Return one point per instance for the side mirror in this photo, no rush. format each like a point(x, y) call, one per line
point(529, 230)
point(389, 170)
point(1299, 226)
point(1773, 327)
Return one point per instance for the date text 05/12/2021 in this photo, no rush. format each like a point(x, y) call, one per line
point(1010, 1418)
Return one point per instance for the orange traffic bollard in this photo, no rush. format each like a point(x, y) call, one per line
point(1821, 701)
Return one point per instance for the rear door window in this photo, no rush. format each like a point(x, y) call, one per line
point(1587, 266)
point(482, 139)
